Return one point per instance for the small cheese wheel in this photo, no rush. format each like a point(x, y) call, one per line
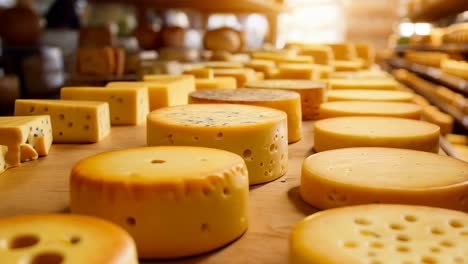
point(364, 131)
point(381, 234)
point(286, 101)
point(358, 108)
point(258, 134)
point(384, 175)
point(373, 84)
point(157, 192)
point(369, 95)
point(312, 93)
point(59, 238)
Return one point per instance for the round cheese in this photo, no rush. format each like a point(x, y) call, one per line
point(363, 131)
point(362, 108)
point(312, 93)
point(286, 101)
point(360, 84)
point(369, 95)
point(71, 239)
point(258, 134)
point(384, 175)
point(381, 234)
point(156, 193)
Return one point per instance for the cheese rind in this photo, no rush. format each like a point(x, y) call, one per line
point(369, 95)
point(286, 101)
point(169, 90)
point(373, 84)
point(362, 108)
point(363, 131)
point(153, 197)
point(258, 134)
point(383, 175)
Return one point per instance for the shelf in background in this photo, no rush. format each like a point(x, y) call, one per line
point(455, 47)
point(437, 9)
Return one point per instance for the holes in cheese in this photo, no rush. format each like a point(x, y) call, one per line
point(361, 108)
point(50, 257)
point(362, 131)
point(359, 84)
point(23, 241)
point(249, 131)
point(199, 192)
point(312, 93)
point(369, 95)
point(286, 101)
point(333, 236)
point(398, 176)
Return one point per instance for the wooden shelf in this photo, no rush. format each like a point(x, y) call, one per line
point(437, 9)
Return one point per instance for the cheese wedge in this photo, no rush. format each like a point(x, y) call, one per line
point(242, 75)
point(72, 121)
point(258, 134)
point(62, 238)
point(383, 175)
point(287, 101)
point(313, 93)
point(28, 153)
point(156, 192)
point(369, 95)
point(373, 84)
point(216, 83)
point(363, 131)
point(322, 54)
point(362, 108)
point(381, 234)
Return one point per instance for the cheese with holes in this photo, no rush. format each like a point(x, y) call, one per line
point(258, 134)
point(373, 84)
point(362, 108)
point(72, 121)
point(18, 130)
point(216, 83)
point(169, 90)
point(200, 73)
point(242, 75)
point(369, 95)
point(62, 238)
point(381, 234)
point(3, 152)
point(384, 175)
point(127, 105)
point(363, 131)
point(312, 93)
point(286, 101)
point(153, 197)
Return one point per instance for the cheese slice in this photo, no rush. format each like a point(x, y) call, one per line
point(373, 84)
point(242, 75)
point(216, 83)
point(362, 108)
point(381, 234)
point(156, 192)
point(258, 134)
point(383, 175)
point(3, 152)
point(287, 101)
point(312, 93)
point(369, 95)
point(62, 238)
point(72, 121)
point(18, 130)
point(127, 105)
point(200, 73)
point(363, 131)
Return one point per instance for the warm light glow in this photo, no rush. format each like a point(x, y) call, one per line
point(406, 29)
point(422, 28)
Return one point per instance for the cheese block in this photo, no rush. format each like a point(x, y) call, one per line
point(381, 234)
point(265, 66)
point(313, 93)
point(363, 131)
point(282, 57)
point(223, 65)
point(153, 197)
point(15, 131)
point(62, 238)
point(3, 152)
point(169, 90)
point(362, 108)
point(286, 101)
point(301, 71)
point(200, 73)
point(96, 61)
point(457, 139)
point(216, 83)
point(383, 175)
point(322, 54)
point(127, 105)
point(242, 75)
point(72, 121)
point(365, 52)
point(372, 84)
point(344, 51)
point(444, 121)
point(347, 66)
point(369, 95)
point(258, 134)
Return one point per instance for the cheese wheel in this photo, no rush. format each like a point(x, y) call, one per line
point(360, 108)
point(59, 238)
point(373, 84)
point(312, 93)
point(258, 134)
point(381, 234)
point(369, 95)
point(157, 192)
point(457, 139)
point(286, 101)
point(384, 175)
point(363, 131)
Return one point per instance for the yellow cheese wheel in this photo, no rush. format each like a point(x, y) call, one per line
point(362, 108)
point(457, 139)
point(384, 175)
point(312, 93)
point(369, 95)
point(363, 131)
point(258, 134)
point(381, 234)
point(156, 193)
point(59, 238)
point(287, 101)
point(373, 84)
